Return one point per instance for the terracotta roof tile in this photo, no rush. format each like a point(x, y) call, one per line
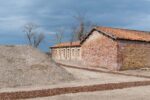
point(67, 44)
point(118, 33)
point(115, 33)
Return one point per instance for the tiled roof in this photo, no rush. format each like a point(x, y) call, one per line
point(115, 33)
point(67, 44)
point(125, 33)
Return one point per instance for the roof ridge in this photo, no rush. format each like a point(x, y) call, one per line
point(122, 29)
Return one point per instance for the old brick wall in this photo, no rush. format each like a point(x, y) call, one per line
point(133, 54)
point(100, 51)
point(66, 53)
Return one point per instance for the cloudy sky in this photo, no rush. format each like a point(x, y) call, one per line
point(51, 15)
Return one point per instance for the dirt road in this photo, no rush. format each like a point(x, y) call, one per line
point(88, 77)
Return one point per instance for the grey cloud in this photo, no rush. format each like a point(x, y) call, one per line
point(52, 14)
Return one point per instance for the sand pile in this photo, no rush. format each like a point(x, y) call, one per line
point(27, 66)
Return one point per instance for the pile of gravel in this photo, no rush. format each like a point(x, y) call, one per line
point(27, 66)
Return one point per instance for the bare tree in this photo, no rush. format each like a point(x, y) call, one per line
point(59, 35)
point(83, 26)
point(32, 36)
point(38, 39)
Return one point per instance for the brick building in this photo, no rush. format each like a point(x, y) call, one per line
point(111, 48)
point(66, 51)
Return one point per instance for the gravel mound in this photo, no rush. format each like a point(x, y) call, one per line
point(27, 66)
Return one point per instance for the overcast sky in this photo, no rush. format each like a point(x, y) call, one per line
point(53, 14)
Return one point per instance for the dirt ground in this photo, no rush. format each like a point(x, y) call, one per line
point(22, 65)
point(85, 77)
point(139, 72)
point(64, 77)
point(144, 72)
point(136, 93)
point(82, 78)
